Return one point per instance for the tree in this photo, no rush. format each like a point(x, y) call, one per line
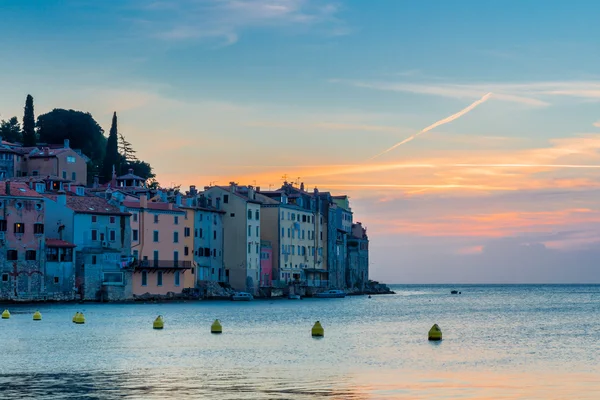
point(11, 130)
point(29, 137)
point(81, 129)
point(126, 150)
point(112, 158)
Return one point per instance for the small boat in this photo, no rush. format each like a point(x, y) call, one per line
point(454, 292)
point(330, 294)
point(294, 297)
point(242, 296)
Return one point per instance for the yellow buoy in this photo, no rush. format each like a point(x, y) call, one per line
point(79, 318)
point(75, 317)
point(37, 316)
point(435, 333)
point(317, 330)
point(216, 327)
point(158, 323)
point(5, 314)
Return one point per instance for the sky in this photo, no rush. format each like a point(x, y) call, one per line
point(213, 91)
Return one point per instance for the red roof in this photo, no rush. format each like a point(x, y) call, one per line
point(58, 243)
point(161, 206)
point(89, 205)
point(17, 189)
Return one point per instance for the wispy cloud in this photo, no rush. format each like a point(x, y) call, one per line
point(227, 19)
point(537, 94)
point(597, 124)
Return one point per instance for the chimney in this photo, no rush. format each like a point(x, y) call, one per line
point(143, 201)
point(7, 188)
point(232, 187)
point(251, 193)
point(178, 199)
point(302, 186)
point(130, 170)
point(193, 191)
point(61, 199)
point(66, 143)
point(258, 189)
point(316, 191)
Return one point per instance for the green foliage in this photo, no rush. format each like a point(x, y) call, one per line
point(10, 130)
point(140, 168)
point(126, 149)
point(80, 128)
point(112, 158)
point(29, 136)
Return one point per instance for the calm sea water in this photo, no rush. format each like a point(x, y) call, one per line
point(500, 342)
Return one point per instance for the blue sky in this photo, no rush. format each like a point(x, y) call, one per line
point(214, 90)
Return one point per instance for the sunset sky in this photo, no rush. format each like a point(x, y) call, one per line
point(252, 90)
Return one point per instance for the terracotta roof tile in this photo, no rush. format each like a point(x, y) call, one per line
point(18, 189)
point(58, 243)
point(152, 205)
point(89, 205)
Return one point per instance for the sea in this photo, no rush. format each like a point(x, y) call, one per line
point(499, 342)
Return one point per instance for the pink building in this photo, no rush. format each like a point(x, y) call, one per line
point(266, 263)
point(22, 243)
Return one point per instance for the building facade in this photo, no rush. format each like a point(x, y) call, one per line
point(241, 226)
point(158, 245)
point(357, 271)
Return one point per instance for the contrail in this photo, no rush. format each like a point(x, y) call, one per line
point(435, 125)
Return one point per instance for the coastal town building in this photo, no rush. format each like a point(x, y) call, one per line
point(266, 264)
point(242, 233)
point(22, 243)
point(158, 246)
point(357, 270)
point(46, 161)
point(100, 234)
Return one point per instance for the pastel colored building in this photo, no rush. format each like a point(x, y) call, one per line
point(22, 243)
point(266, 264)
point(163, 257)
point(207, 236)
point(241, 226)
point(101, 235)
point(357, 271)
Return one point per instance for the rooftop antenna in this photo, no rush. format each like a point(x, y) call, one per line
point(284, 177)
point(270, 186)
point(212, 183)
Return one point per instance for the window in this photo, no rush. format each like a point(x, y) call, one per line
point(186, 251)
point(4, 277)
point(249, 214)
point(226, 199)
point(282, 232)
point(215, 235)
point(232, 215)
point(201, 233)
point(294, 234)
point(155, 235)
point(177, 278)
point(73, 176)
point(257, 231)
point(293, 250)
point(94, 235)
point(302, 234)
point(67, 255)
point(94, 259)
point(34, 173)
point(19, 227)
point(214, 253)
point(289, 232)
point(304, 218)
point(159, 278)
point(12, 255)
point(70, 159)
point(112, 220)
point(51, 254)
point(38, 228)
point(156, 258)
point(289, 215)
point(200, 252)
point(257, 248)
point(206, 252)
point(156, 219)
point(135, 217)
point(94, 218)
point(144, 278)
point(321, 235)
point(249, 230)
point(112, 235)
point(30, 255)
point(293, 217)
point(186, 232)
point(112, 278)
point(257, 215)
point(64, 174)
point(3, 225)
point(175, 237)
point(176, 220)
point(134, 235)
point(249, 247)
point(175, 258)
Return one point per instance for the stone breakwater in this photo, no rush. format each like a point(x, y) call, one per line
point(373, 287)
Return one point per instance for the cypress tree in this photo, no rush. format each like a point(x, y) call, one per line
point(29, 137)
point(112, 156)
